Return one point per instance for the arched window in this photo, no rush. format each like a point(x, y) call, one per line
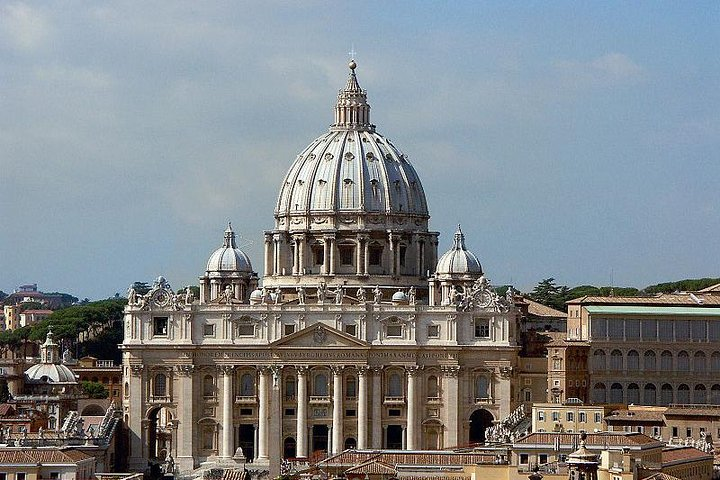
point(650, 396)
point(683, 394)
point(715, 394)
point(395, 386)
point(160, 386)
point(683, 361)
point(666, 361)
point(351, 387)
point(700, 395)
point(127, 390)
point(666, 394)
point(247, 385)
point(616, 393)
point(350, 443)
point(599, 360)
point(432, 387)
point(208, 386)
point(633, 360)
point(616, 360)
point(320, 385)
point(650, 364)
point(599, 393)
point(699, 364)
point(481, 387)
point(290, 387)
point(715, 362)
point(633, 393)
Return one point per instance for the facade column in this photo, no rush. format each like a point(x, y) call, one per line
point(326, 256)
point(138, 392)
point(366, 257)
point(296, 251)
point(362, 407)
point(268, 254)
point(450, 402)
point(184, 453)
point(393, 254)
point(337, 435)
point(276, 256)
point(302, 428)
point(377, 428)
point(275, 420)
point(263, 413)
point(332, 256)
point(358, 256)
point(412, 407)
point(228, 447)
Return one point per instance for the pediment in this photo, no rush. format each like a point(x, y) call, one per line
point(319, 335)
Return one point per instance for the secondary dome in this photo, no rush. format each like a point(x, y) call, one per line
point(458, 260)
point(353, 170)
point(229, 258)
point(49, 373)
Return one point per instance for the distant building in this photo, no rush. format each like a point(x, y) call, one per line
point(45, 463)
point(569, 417)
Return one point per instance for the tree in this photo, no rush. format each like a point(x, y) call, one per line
point(94, 389)
point(548, 293)
point(141, 288)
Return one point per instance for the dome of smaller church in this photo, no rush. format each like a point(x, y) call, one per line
point(49, 373)
point(458, 260)
point(229, 258)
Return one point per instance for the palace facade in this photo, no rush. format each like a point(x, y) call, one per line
point(360, 335)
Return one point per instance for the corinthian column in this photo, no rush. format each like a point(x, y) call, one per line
point(337, 436)
point(412, 407)
point(263, 413)
point(184, 456)
point(362, 407)
point(302, 430)
point(377, 430)
point(450, 404)
point(228, 445)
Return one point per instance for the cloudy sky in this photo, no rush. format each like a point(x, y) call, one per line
point(577, 140)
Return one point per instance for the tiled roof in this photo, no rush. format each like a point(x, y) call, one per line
point(678, 299)
point(536, 308)
point(6, 409)
point(711, 289)
point(41, 455)
point(614, 439)
point(398, 457)
point(635, 416)
point(678, 454)
point(662, 476)
point(693, 410)
point(372, 467)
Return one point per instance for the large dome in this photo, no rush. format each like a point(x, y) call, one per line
point(351, 170)
point(229, 258)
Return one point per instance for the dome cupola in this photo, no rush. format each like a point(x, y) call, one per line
point(458, 260)
point(229, 258)
point(49, 370)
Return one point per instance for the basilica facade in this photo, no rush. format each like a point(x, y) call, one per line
point(359, 335)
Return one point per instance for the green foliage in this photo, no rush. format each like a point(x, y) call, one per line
point(65, 298)
point(687, 285)
point(141, 288)
point(193, 288)
point(94, 389)
point(30, 306)
point(550, 294)
point(105, 344)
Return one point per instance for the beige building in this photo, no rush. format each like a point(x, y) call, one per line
point(569, 417)
point(45, 463)
point(361, 335)
point(673, 424)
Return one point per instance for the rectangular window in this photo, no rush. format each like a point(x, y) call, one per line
point(675, 431)
point(555, 416)
point(394, 330)
point(598, 417)
point(403, 251)
point(394, 412)
point(160, 325)
point(682, 330)
point(54, 475)
point(350, 413)
point(209, 330)
point(289, 412)
point(665, 330)
point(688, 432)
point(541, 416)
point(656, 431)
point(699, 330)
point(288, 329)
point(246, 412)
point(632, 329)
point(20, 476)
point(433, 331)
point(582, 417)
point(524, 459)
point(570, 416)
point(318, 253)
point(351, 329)
point(543, 459)
point(598, 328)
point(3, 476)
point(375, 254)
point(649, 330)
point(482, 328)
point(246, 330)
point(528, 396)
point(347, 252)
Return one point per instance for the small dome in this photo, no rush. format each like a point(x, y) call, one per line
point(229, 258)
point(399, 297)
point(458, 260)
point(49, 373)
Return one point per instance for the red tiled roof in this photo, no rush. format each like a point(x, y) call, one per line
point(662, 476)
point(41, 455)
point(678, 454)
point(679, 299)
point(436, 458)
point(372, 467)
point(593, 440)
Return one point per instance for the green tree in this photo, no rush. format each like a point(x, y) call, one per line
point(94, 389)
point(550, 294)
point(687, 285)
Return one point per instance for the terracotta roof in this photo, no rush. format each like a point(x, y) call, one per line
point(41, 455)
point(536, 308)
point(398, 457)
point(662, 476)
point(372, 467)
point(635, 416)
point(711, 289)
point(6, 409)
point(680, 454)
point(614, 439)
point(680, 299)
point(693, 410)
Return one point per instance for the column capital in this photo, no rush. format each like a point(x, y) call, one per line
point(450, 370)
point(225, 369)
point(184, 370)
point(362, 370)
point(377, 369)
point(136, 369)
point(302, 370)
point(413, 370)
point(337, 369)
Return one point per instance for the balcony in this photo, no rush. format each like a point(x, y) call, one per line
point(391, 400)
point(319, 399)
point(434, 400)
point(159, 399)
point(245, 399)
point(483, 400)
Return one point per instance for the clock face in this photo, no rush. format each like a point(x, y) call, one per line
point(161, 298)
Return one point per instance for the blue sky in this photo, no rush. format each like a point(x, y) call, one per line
point(576, 140)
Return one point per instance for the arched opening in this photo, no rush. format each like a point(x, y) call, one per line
point(350, 443)
point(715, 394)
point(480, 420)
point(395, 386)
point(633, 394)
point(208, 386)
point(616, 360)
point(160, 428)
point(393, 441)
point(247, 385)
point(666, 394)
point(633, 360)
point(320, 438)
point(650, 364)
point(666, 361)
point(700, 395)
point(599, 393)
point(616, 393)
point(289, 448)
point(93, 411)
point(699, 363)
point(482, 388)
point(683, 394)
point(599, 360)
point(683, 361)
point(650, 394)
point(320, 385)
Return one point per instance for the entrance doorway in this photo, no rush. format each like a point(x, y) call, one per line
point(319, 438)
point(289, 448)
point(480, 420)
point(246, 440)
point(394, 437)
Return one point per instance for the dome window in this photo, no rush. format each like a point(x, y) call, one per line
point(349, 156)
point(348, 182)
point(328, 157)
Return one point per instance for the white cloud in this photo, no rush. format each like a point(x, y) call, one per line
point(606, 70)
point(23, 27)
